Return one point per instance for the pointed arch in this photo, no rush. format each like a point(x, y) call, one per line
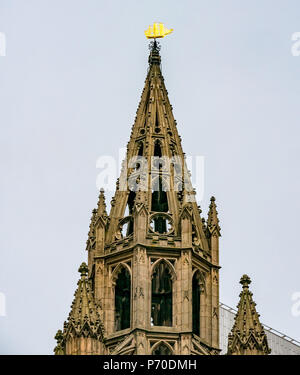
point(157, 148)
point(121, 279)
point(160, 181)
point(125, 227)
point(162, 348)
point(168, 263)
point(130, 201)
point(117, 270)
point(159, 201)
point(198, 290)
point(196, 304)
point(202, 279)
point(162, 277)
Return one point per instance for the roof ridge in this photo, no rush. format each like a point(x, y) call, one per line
point(267, 327)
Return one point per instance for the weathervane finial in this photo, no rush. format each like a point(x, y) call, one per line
point(158, 30)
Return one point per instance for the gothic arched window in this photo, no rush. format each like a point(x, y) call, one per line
point(159, 196)
point(141, 149)
point(162, 349)
point(161, 304)
point(130, 202)
point(196, 303)
point(122, 300)
point(159, 187)
point(157, 149)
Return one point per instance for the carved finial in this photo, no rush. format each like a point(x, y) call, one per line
point(247, 336)
point(154, 57)
point(91, 234)
point(58, 350)
point(83, 269)
point(59, 336)
point(84, 315)
point(245, 281)
point(113, 201)
point(101, 211)
point(213, 221)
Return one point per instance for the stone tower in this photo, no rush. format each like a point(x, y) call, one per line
point(152, 281)
point(247, 336)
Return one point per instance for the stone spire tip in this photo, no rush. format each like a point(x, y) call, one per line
point(212, 220)
point(101, 204)
point(154, 57)
point(83, 269)
point(245, 281)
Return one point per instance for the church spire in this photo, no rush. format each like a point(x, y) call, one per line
point(153, 246)
point(155, 164)
point(247, 336)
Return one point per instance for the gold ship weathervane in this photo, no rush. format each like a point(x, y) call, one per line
point(158, 30)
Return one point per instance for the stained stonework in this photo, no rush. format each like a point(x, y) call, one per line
point(145, 257)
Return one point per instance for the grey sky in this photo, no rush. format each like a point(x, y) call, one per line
point(69, 88)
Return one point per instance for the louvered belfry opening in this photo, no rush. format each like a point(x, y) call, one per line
point(159, 195)
point(122, 300)
point(161, 306)
point(196, 303)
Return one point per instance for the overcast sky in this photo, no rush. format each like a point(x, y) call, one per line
point(70, 84)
